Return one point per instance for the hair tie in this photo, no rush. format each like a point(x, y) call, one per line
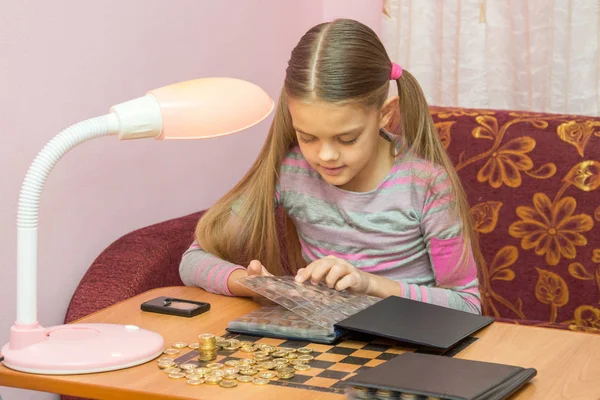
point(396, 72)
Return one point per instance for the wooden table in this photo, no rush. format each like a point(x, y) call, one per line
point(568, 363)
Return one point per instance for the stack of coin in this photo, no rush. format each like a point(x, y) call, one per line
point(207, 347)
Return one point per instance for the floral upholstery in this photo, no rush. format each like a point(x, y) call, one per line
point(533, 182)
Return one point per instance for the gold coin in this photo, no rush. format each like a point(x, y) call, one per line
point(165, 365)
point(171, 351)
point(214, 366)
point(305, 350)
point(215, 372)
point(195, 382)
point(177, 375)
point(247, 361)
point(201, 371)
point(262, 354)
point(165, 359)
point(230, 376)
point(260, 381)
point(286, 375)
point(187, 366)
point(213, 380)
point(231, 370)
point(172, 370)
point(248, 349)
point(232, 363)
point(180, 345)
point(279, 354)
point(290, 356)
point(191, 375)
point(244, 378)
point(301, 367)
point(206, 336)
point(285, 369)
point(194, 345)
point(305, 357)
point(230, 348)
point(248, 371)
point(228, 383)
point(297, 362)
point(268, 348)
point(267, 375)
point(268, 365)
point(288, 349)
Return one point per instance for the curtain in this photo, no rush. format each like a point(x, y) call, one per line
point(536, 55)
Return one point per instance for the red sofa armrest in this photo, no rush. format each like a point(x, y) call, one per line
point(144, 259)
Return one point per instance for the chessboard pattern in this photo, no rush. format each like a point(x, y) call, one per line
point(332, 365)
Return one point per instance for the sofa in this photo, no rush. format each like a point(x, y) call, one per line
point(533, 184)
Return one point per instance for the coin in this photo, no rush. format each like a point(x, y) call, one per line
point(206, 337)
point(305, 357)
point(286, 375)
point(194, 345)
point(284, 368)
point(171, 370)
point(291, 355)
point(180, 345)
point(231, 370)
point(301, 367)
point(171, 351)
point(215, 372)
point(297, 362)
point(279, 354)
point(201, 371)
point(268, 365)
point(260, 381)
point(165, 359)
point(267, 375)
point(214, 366)
point(230, 348)
point(166, 364)
point(177, 375)
point(232, 363)
point(228, 383)
point(248, 371)
point(244, 378)
point(248, 349)
point(305, 350)
point(187, 366)
point(213, 380)
point(195, 382)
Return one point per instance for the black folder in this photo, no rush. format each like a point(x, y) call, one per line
point(415, 322)
point(444, 377)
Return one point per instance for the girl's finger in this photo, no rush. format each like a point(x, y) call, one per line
point(337, 272)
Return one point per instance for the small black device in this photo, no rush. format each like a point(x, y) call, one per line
point(174, 306)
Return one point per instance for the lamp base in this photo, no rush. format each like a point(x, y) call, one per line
point(83, 349)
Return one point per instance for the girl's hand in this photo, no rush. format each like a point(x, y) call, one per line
point(336, 273)
point(256, 268)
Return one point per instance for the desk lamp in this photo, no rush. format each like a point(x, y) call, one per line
point(196, 109)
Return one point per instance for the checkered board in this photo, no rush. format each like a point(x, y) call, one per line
point(333, 364)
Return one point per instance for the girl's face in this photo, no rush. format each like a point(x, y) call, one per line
point(342, 142)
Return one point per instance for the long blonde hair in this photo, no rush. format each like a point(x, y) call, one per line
point(341, 62)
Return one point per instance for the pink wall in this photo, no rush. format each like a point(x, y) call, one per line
point(65, 61)
point(366, 11)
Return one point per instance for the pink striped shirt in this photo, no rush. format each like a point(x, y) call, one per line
point(403, 230)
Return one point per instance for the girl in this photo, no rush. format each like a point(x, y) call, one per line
point(366, 210)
